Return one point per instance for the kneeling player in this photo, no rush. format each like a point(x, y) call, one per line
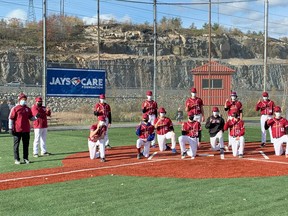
point(97, 139)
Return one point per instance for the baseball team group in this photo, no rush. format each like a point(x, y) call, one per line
point(155, 125)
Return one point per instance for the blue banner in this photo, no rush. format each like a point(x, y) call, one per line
point(63, 82)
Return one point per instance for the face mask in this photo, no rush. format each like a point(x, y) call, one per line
point(162, 114)
point(145, 120)
point(101, 123)
point(265, 98)
point(193, 94)
point(215, 114)
point(277, 114)
point(233, 98)
point(191, 118)
point(39, 104)
point(23, 102)
point(149, 97)
point(102, 100)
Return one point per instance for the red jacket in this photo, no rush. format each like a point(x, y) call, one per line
point(265, 107)
point(149, 107)
point(40, 122)
point(236, 127)
point(194, 104)
point(103, 109)
point(164, 126)
point(191, 128)
point(20, 116)
point(278, 126)
point(99, 133)
point(233, 106)
point(145, 130)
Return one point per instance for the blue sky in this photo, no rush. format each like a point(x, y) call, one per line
point(242, 14)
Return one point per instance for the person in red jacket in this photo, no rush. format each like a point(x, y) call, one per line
point(237, 132)
point(40, 127)
point(279, 127)
point(103, 109)
point(19, 127)
point(266, 107)
point(97, 139)
point(145, 132)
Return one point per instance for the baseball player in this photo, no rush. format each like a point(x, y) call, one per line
point(195, 105)
point(266, 107)
point(150, 107)
point(145, 132)
point(279, 129)
point(232, 106)
point(215, 124)
point(19, 127)
point(165, 130)
point(190, 133)
point(103, 109)
point(97, 139)
point(237, 131)
point(40, 127)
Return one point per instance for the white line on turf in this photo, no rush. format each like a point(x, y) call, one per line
point(205, 155)
point(267, 161)
point(264, 155)
point(150, 158)
point(80, 170)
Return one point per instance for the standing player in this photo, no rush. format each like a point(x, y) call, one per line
point(40, 127)
point(215, 124)
point(237, 132)
point(97, 138)
point(190, 134)
point(233, 106)
point(194, 105)
point(150, 107)
point(279, 127)
point(103, 109)
point(266, 107)
point(165, 130)
point(145, 132)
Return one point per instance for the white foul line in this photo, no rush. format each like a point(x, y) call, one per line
point(150, 158)
point(205, 155)
point(264, 155)
point(267, 161)
point(80, 170)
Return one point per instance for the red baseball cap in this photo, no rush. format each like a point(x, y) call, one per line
point(162, 110)
point(215, 109)
point(265, 94)
point(233, 94)
point(102, 96)
point(277, 109)
point(38, 99)
point(145, 116)
point(101, 118)
point(149, 93)
point(21, 96)
point(193, 90)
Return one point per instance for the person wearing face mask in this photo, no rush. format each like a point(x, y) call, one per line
point(145, 132)
point(150, 107)
point(103, 109)
point(266, 107)
point(190, 133)
point(237, 132)
point(19, 127)
point(195, 105)
point(215, 124)
point(165, 130)
point(279, 127)
point(233, 106)
point(97, 139)
point(40, 127)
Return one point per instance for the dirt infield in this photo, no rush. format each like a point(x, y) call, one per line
point(258, 162)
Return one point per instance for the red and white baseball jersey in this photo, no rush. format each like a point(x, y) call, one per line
point(191, 128)
point(40, 122)
point(145, 130)
point(236, 127)
point(278, 126)
point(233, 106)
point(99, 133)
point(20, 116)
point(265, 107)
point(149, 107)
point(103, 109)
point(163, 126)
point(194, 104)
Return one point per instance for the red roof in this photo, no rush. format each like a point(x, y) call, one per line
point(216, 68)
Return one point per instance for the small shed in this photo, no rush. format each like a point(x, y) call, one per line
point(220, 83)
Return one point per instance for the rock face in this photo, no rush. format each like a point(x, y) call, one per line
point(127, 56)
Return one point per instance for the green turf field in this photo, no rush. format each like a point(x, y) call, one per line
point(121, 195)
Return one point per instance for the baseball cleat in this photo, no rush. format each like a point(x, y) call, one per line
point(26, 161)
point(46, 154)
point(108, 146)
point(241, 156)
point(102, 160)
point(167, 148)
point(192, 158)
point(262, 145)
point(35, 155)
point(17, 162)
point(183, 155)
point(139, 156)
point(174, 151)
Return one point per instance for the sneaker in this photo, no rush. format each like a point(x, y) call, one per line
point(138, 156)
point(26, 161)
point(35, 155)
point(17, 162)
point(168, 148)
point(241, 156)
point(262, 145)
point(192, 158)
point(174, 151)
point(108, 146)
point(46, 154)
point(183, 155)
point(103, 160)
